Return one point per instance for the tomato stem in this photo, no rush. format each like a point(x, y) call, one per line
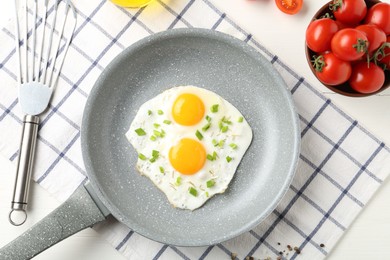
point(361, 45)
point(335, 5)
point(327, 15)
point(380, 52)
point(318, 63)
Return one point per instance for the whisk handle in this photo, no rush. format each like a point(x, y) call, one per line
point(24, 167)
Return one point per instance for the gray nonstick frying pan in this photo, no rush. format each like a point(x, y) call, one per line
point(199, 57)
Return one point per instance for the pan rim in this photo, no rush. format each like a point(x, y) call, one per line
point(188, 32)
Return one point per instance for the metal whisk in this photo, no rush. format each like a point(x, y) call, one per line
point(44, 30)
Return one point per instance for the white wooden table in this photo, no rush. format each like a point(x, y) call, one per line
point(282, 34)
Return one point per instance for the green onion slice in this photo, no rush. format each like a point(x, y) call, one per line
point(193, 191)
point(214, 108)
point(168, 122)
point(210, 183)
point(233, 146)
point(215, 155)
point(160, 112)
point(162, 170)
point(158, 133)
point(178, 181)
point(226, 121)
point(210, 157)
point(142, 157)
point(240, 119)
point(229, 159)
point(155, 154)
point(140, 132)
point(206, 127)
point(199, 135)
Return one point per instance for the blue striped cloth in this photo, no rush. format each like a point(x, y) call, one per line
point(341, 164)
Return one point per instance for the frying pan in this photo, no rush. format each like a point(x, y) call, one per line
point(197, 57)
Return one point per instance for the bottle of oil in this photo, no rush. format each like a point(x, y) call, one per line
point(132, 3)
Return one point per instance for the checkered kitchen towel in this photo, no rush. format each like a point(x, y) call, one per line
point(340, 167)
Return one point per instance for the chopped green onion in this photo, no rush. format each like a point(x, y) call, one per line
point(168, 122)
point(199, 135)
point(142, 157)
point(240, 119)
point(153, 138)
point(228, 159)
point(162, 169)
point(215, 142)
point(210, 183)
point(208, 119)
point(158, 133)
point(155, 154)
point(210, 157)
point(226, 121)
point(156, 125)
point(206, 127)
point(214, 108)
point(207, 194)
point(193, 191)
point(160, 112)
point(178, 181)
point(140, 132)
point(221, 143)
point(162, 132)
point(233, 146)
point(224, 129)
point(149, 112)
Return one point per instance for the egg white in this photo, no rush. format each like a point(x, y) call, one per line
point(220, 170)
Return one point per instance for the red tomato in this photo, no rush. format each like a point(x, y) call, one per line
point(374, 35)
point(366, 78)
point(349, 11)
point(331, 70)
point(379, 14)
point(319, 34)
point(349, 44)
point(289, 6)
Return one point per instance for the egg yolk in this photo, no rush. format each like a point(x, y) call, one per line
point(187, 156)
point(188, 109)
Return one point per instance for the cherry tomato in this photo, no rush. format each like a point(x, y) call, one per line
point(349, 11)
point(349, 44)
point(366, 78)
point(330, 70)
point(374, 35)
point(289, 6)
point(379, 14)
point(319, 34)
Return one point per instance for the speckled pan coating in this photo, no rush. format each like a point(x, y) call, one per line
point(221, 64)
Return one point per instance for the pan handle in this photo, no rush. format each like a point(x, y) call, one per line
point(80, 211)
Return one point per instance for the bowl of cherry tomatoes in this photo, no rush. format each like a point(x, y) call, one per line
point(348, 46)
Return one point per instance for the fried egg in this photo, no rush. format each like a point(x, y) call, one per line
point(190, 142)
